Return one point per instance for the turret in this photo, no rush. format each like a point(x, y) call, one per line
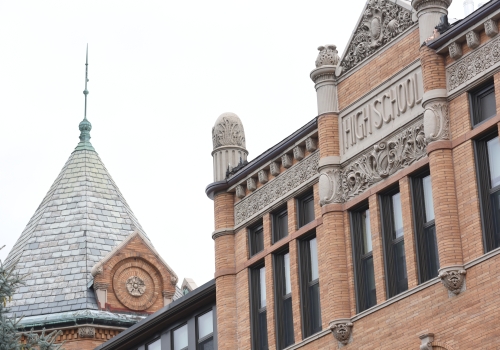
point(228, 138)
point(429, 15)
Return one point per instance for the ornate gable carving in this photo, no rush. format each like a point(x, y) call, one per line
point(381, 23)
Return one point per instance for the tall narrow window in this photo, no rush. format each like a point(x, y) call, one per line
point(156, 345)
point(366, 293)
point(425, 227)
point(488, 173)
point(482, 103)
point(180, 338)
point(394, 244)
point(284, 316)
point(256, 238)
point(280, 224)
point(305, 209)
point(258, 308)
point(309, 279)
point(205, 331)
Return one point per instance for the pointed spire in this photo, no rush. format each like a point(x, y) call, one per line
point(85, 125)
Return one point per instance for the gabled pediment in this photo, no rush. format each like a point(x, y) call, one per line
point(381, 22)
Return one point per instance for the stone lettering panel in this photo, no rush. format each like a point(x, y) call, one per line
point(388, 108)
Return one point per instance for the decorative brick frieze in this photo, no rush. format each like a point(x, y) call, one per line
point(277, 189)
point(387, 156)
point(473, 65)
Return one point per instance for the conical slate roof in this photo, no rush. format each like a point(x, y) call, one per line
point(80, 220)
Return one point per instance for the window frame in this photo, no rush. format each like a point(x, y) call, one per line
point(485, 191)
point(475, 96)
point(389, 243)
point(276, 217)
point(208, 336)
point(421, 225)
point(359, 257)
point(309, 194)
point(255, 310)
point(280, 298)
point(253, 248)
point(172, 336)
point(153, 341)
point(306, 283)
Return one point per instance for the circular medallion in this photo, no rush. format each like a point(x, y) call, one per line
point(136, 286)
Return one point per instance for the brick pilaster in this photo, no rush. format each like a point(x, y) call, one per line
point(328, 130)
point(409, 232)
point(433, 69)
point(271, 324)
point(378, 248)
point(295, 282)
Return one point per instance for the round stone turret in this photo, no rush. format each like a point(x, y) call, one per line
point(229, 152)
point(324, 77)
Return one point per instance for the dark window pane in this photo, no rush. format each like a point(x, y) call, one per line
point(306, 209)
point(314, 309)
point(371, 293)
point(432, 251)
point(256, 239)
point(487, 105)
point(280, 225)
point(287, 322)
point(495, 201)
point(400, 260)
point(262, 339)
point(207, 344)
point(483, 103)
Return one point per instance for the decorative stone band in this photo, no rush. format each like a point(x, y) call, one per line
point(342, 330)
point(395, 152)
point(453, 278)
point(223, 232)
point(436, 115)
point(101, 286)
point(168, 294)
point(426, 340)
point(86, 332)
point(473, 66)
point(279, 188)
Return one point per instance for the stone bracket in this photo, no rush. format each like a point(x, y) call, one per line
point(342, 330)
point(86, 332)
point(453, 278)
point(426, 340)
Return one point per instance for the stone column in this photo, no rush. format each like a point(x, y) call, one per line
point(439, 149)
point(225, 271)
point(335, 304)
point(429, 14)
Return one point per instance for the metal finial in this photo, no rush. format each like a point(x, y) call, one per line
point(86, 92)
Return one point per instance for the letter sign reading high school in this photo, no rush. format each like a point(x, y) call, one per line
point(381, 112)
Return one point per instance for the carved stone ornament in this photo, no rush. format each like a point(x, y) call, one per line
point(382, 22)
point(99, 270)
point(251, 184)
point(455, 50)
point(240, 191)
point(311, 144)
point(262, 175)
point(388, 156)
point(168, 294)
point(173, 280)
point(472, 39)
point(453, 279)
point(342, 331)
point(437, 121)
point(276, 189)
point(101, 286)
point(274, 168)
point(298, 152)
point(136, 286)
point(426, 341)
point(286, 161)
point(86, 332)
point(491, 28)
point(228, 131)
point(328, 55)
point(470, 66)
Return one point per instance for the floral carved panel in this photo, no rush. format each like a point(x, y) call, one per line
point(382, 22)
point(276, 189)
point(473, 65)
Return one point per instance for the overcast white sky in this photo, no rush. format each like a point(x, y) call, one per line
point(160, 72)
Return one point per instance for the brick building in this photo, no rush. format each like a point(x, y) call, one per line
point(376, 225)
